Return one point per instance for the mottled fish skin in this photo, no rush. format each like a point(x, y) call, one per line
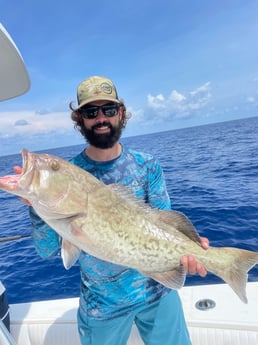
point(107, 222)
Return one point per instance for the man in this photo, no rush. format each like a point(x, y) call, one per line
point(112, 296)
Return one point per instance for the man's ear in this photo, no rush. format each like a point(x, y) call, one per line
point(121, 111)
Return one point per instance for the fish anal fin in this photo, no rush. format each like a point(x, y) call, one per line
point(174, 279)
point(69, 254)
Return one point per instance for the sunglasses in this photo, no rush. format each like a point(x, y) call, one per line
point(91, 112)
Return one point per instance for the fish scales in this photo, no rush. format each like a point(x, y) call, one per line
point(131, 234)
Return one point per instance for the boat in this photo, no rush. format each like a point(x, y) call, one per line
point(14, 77)
point(214, 314)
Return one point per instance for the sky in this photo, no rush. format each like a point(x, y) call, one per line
point(175, 63)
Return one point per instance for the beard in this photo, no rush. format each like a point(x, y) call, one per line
point(105, 140)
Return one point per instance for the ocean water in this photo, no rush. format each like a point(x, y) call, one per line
point(212, 177)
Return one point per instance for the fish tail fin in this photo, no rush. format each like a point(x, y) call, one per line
point(235, 275)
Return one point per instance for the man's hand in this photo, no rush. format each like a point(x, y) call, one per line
point(191, 265)
point(17, 169)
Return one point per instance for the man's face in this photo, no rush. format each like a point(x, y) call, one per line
point(103, 131)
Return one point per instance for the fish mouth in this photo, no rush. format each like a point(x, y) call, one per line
point(15, 183)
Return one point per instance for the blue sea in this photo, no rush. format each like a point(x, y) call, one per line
point(212, 177)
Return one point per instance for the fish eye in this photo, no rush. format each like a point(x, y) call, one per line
point(55, 165)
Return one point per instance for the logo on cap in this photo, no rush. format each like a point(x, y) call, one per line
point(106, 88)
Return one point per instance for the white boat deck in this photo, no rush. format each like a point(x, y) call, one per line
point(230, 322)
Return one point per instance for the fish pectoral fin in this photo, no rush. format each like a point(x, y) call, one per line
point(174, 279)
point(69, 254)
point(80, 235)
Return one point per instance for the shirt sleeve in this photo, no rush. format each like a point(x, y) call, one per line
point(46, 240)
point(157, 191)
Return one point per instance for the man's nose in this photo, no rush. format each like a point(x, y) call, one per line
point(100, 115)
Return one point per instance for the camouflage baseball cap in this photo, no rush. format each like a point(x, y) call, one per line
point(96, 89)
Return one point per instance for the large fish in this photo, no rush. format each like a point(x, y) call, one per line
point(107, 223)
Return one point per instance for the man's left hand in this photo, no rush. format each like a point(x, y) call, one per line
point(191, 265)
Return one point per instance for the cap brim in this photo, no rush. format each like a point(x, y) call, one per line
point(101, 98)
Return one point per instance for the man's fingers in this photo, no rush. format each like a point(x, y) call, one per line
point(192, 266)
point(205, 242)
point(17, 169)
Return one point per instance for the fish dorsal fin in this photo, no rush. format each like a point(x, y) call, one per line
point(180, 222)
point(175, 220)
point(174, 279)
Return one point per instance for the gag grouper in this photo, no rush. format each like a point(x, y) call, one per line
point(104, 222)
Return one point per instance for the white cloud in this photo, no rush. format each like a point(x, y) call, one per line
point(30, 123)
point(156, 102)
point(176, 96)
point(137, 115)
point(202, 89)
point(250, 99)
point(178, 105)
point(161, 110)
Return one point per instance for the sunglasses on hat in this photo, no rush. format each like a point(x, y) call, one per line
point(91, 112)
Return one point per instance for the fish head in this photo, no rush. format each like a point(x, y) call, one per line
point(50, 184)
